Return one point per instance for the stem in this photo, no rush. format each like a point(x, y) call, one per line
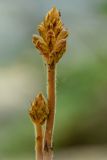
point(48, 142)
point(39, 143)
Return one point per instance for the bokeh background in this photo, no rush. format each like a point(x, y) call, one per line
point(81, 116)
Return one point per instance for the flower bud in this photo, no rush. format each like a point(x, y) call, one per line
point(39, 110)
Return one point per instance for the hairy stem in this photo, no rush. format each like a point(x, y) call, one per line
point(48, 142)
point(39, 142)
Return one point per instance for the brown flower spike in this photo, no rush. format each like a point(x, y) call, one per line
point(39, 113)
point(39, 110)
point(52, 40)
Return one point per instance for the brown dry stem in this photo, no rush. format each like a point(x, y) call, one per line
point(48, 143)
point(39, 142)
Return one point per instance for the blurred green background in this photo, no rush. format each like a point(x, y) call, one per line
point(81, 116)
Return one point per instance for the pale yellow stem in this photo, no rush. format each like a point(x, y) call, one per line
point(48, 142)
point(39, 142)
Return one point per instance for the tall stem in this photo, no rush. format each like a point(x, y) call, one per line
point(39, 142)
point(48, 142)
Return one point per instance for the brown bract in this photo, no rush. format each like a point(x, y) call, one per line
point(39, 110)
point(52, 40)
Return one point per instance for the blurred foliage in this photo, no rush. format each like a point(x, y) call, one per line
point(102, 7)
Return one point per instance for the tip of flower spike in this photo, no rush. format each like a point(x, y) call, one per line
point(40, 95)
point(54, 9)
point(51, 17)
point(39, 110)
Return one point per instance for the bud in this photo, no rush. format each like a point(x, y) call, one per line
point(62, 35)
point(41, 45)
point(50, 39)
point(42, 30)
point(39, 110)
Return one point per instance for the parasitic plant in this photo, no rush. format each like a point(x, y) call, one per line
point(51, 42)
point(39, 113)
